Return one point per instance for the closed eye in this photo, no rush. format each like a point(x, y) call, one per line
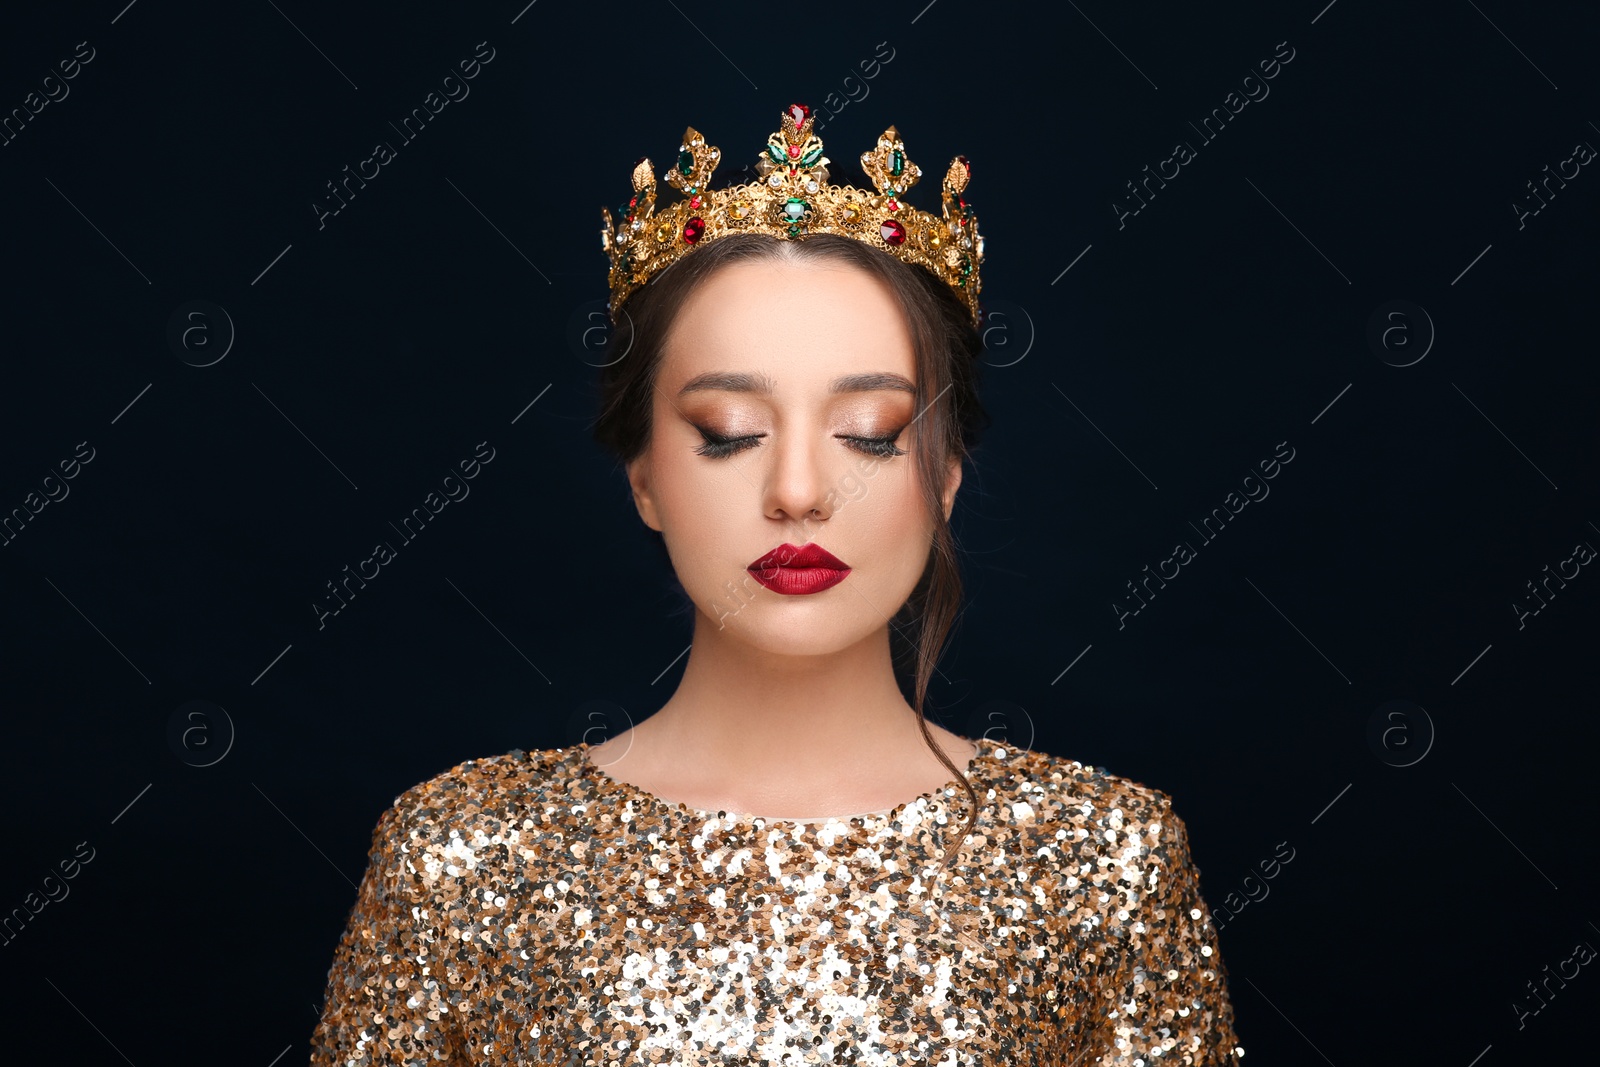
point(881, 447)
point(718, 447)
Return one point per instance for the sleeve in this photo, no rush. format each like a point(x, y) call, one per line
point(1162, 995)
point(383, 1003)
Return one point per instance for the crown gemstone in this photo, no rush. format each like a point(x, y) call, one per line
point(797, 199)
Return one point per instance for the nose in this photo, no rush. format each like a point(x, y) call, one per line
point(798, 486)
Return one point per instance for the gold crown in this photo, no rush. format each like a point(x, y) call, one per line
point(793, 199)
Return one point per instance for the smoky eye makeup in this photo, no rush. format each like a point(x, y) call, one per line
point(721, 446)
point(880, 447)
point(718, 446)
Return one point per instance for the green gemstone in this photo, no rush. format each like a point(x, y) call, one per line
point(685, 161)
point(897, 162)
point(776, 153)
point(811, 157)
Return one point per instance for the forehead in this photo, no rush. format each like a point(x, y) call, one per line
point(791, 325)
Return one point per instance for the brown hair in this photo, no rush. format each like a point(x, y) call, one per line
point(946, 344)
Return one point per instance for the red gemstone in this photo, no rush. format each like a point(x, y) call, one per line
point(893, 232)
point(694, 201)
point(794, 151)
point(799, 112)
point(892, 204)
point(693, 229)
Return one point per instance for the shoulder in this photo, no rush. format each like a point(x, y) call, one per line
point(482, 812)
point(1095, 840)
point(486, 783)
point(1067, 800)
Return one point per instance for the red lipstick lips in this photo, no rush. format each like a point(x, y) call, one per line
point(796, 571)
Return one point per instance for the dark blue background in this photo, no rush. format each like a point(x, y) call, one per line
point(1130, 394)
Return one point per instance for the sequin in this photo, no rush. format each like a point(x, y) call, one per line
point(530, 909)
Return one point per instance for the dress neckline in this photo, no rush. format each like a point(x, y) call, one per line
point(976, 771)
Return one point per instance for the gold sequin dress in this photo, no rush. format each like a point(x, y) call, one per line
point(530, 909)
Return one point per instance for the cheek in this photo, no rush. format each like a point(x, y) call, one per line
point(706, 513)
point(886, 500)
point(692, 491)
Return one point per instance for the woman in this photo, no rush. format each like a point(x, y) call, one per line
point(787, 863)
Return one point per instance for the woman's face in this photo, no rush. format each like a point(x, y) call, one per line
point(775, 379)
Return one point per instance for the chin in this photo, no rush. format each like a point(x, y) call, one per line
point(788, 627)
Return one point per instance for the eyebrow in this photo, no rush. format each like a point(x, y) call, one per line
point(740, 382)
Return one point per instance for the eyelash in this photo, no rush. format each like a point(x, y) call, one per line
point(718, 447)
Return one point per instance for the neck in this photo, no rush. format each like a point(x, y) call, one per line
point(762, 716)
